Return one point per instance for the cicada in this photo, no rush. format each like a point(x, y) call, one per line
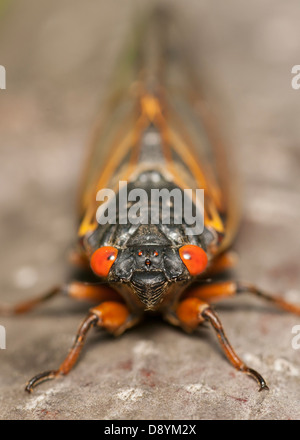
point(156, 133)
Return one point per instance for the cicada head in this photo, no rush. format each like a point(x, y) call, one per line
point(148, 270)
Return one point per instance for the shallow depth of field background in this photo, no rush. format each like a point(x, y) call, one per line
point(58, 57)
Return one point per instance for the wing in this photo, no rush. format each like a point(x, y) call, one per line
point(156, 92)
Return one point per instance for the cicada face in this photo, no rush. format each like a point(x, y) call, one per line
point(149, 271)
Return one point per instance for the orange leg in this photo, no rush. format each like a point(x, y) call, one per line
point(217, 291)
point(78, 259)
point(76, 289)
point(110, 315)
point(223, 262)
point(192, 312)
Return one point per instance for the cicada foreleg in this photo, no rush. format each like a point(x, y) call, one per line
point(192, 311)
point(112, 316)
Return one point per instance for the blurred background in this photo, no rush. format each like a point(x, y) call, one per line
point(59, 56)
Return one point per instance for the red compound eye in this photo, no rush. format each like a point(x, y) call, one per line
point(102, 260)
point(194, 258)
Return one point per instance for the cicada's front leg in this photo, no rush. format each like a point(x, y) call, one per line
point(195, 308)
point(192, 311)
point(112, 316)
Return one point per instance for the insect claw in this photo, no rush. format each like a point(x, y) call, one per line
point(264, 387)
point(40, 378)
point(261, 381)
